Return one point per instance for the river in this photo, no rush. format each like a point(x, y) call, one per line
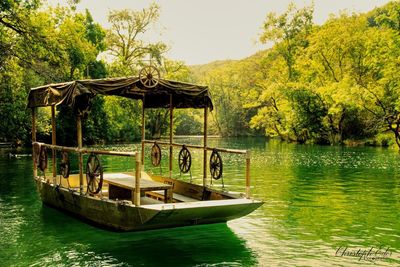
point(324, 206)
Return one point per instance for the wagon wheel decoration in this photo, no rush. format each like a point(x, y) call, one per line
point(185, 160)
point(155, 155)
point(149, 76)
point(215, 165)
point(65, 165)
point(43, 158)
point(94, 174)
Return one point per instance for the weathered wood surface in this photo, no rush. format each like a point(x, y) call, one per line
point(88, 151)
point(124, 186)
point(123, 216)
point(129, 183)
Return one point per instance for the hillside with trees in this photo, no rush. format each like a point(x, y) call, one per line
point(327, 84)
point(336, 83)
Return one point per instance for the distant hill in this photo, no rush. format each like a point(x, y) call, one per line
point(199, 71)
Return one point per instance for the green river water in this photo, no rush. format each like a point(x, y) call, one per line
point(324, 206)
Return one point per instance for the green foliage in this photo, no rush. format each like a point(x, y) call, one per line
point(14, 118)
point(188, 122)
point(319, 84)
point(94, 32)
point(96, 126)
point(326, 84)
point(229, 83)
point(289, 33)
point(125, 42)
point(124, 121)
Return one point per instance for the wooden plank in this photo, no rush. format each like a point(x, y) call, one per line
point(88, 151)
point(183, 188)
point(175, 197)
point(53, 142)
point(205, 148)
point(137, 181)
point(80, 156)
point(171, 133)
point(130, 183)
point(34, 140)
point(143, 130)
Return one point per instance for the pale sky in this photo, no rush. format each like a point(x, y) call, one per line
point(201, 31)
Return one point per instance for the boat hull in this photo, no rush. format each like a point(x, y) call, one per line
point(124, 216)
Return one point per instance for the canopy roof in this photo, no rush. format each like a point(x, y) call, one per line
point(78, 94)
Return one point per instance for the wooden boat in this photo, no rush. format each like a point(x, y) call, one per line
point(134, 200)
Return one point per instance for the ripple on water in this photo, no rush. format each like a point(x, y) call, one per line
point(317, 199)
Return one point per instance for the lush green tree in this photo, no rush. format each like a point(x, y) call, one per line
point(374, 69)
point(338, 84)
point(288, 32)
point(279, 99)
point(325, 67)
point(125, 39)
point(188, 122)
point(22, 46)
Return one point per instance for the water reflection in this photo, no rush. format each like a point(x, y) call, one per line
point(316, 200)
point(186, 246)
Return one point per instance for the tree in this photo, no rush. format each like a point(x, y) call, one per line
point(289, 33)
point(374, 69)
point(125, 38)
point(278, 95)
point(325, 68)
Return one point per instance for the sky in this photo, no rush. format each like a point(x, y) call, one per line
point(202, 31)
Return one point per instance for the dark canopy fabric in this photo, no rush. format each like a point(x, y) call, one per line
point(78, 94)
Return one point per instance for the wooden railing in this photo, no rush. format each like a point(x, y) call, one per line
point(87, 150)
point(225, 150)
point(81, 151)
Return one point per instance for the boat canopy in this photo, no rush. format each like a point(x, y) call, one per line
point(78, 94)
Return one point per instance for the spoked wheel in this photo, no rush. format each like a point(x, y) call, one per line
point(43, 159)
point(185, 160)
point(155, 155)
point(149, 76)
point(94, 174)
point(65, 165)
point(215, 165)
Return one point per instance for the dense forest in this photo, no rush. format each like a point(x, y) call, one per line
point(336, 83)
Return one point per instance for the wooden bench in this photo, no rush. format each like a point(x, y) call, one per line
point(175, 196)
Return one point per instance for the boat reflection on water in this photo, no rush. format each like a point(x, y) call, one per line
point(82, 244)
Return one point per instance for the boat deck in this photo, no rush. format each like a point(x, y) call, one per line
point(121, 186)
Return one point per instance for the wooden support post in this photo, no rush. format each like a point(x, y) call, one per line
point(248, 174)
point(171, 132)
point(205, 148)
point(53, 142)
point(136, 195)
point(143, 131)
point(34, 140)
point(79, 138)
